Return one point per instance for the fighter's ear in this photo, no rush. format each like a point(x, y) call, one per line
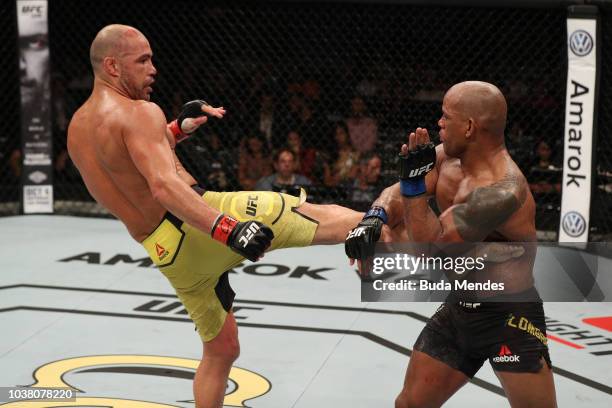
point(471, 128)
point(110, 66)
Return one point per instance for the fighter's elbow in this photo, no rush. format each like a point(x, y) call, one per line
point(160, 189)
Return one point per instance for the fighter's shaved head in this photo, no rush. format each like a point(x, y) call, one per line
point(483, 102)
point(109, 42)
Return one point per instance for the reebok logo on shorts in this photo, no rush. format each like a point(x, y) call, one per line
point(161, 251)
point(506, 356)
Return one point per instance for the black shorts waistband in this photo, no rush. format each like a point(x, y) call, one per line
point(530, 295)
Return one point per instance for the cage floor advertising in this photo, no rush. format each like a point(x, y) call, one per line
point(81, 306)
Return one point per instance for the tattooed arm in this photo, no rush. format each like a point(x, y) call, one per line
point(485, 209)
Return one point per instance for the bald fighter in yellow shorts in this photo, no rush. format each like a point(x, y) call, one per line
point(195, 263)
point(124, 150)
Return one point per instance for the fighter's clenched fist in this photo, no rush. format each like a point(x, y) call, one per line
point(361, 241)
point(250, 239)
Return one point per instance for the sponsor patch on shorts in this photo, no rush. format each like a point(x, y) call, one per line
point(506, 356)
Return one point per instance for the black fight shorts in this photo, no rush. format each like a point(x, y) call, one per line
point(511, 335)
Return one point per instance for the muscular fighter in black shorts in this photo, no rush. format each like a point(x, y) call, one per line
point(483, 196)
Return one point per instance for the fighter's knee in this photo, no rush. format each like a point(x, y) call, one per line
point(229, 351)
point(408, 400)
point(402, 400)
point(232, 351)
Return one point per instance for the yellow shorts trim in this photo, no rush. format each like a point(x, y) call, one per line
point(193, 262)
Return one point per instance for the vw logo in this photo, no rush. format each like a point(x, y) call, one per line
point(573, 224)
point(581, 43)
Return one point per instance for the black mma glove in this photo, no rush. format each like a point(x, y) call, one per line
point(361, 241)
point(250, 239)
point(182, 127)
point(413, 167)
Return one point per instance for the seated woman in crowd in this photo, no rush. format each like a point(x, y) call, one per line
point(544, 177)
point(344, 159)
point(305, 157)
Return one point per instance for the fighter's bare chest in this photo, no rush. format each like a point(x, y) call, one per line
point(452, 186)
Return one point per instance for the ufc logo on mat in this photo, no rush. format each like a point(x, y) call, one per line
point(252, 230)
point(419, 171)
point(357, 232)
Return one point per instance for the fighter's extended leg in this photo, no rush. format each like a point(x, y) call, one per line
point(210, 381)
point(336, 221)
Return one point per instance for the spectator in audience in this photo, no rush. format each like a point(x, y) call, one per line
point(292, 112)
point(312, 91)
point(285, 179)
point(268, 122)
point(344, 159)
point(367, 186)
point(519, 144)
point(218, 160)
point(310, 126)
point(362, 128)
point(253, 161)
point(305, 157)
point(544, 177)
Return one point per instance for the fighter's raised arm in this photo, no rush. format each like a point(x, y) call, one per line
point(387, 209)
point(145, 138)
point(484, 210)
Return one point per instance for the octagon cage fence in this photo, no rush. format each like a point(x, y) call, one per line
point(340, 83)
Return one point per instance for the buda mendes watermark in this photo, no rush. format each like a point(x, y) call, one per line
point(490, 271)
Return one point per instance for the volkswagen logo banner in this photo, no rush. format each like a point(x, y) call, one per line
point(581, 43)
point(573, 224)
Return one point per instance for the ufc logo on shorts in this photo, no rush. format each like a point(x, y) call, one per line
point(357, 232)
point(250, 232)
point(420, 171)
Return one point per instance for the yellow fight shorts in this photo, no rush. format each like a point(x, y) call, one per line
point(195, 264)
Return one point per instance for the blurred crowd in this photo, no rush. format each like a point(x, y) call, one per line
point(291, 139)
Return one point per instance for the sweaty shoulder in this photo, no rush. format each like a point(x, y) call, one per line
point(145, 111)
point(143, 117)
